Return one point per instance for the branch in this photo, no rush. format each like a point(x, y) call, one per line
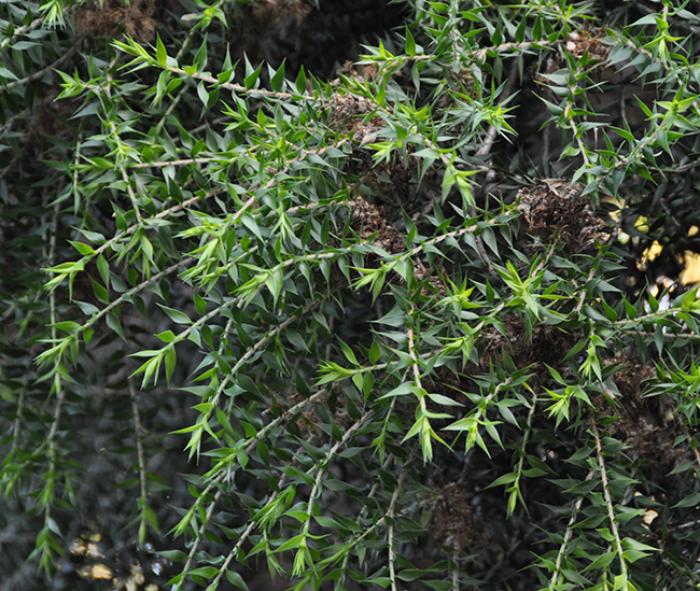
point(608, 498)
point(42, 71)
point(138, 436)
point(390, 519)
point(21, 31)
point(567, 538)
point(250, 447)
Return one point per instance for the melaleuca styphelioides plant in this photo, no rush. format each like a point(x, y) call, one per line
point(393, 327)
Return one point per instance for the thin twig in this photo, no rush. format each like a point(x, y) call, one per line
point(582, 294)
point(390, 519)
point(239, 88)
point(56, 385)
point(485, 150)
point(250, 447)
point(567, 538)
point(608, 498)
point(138, 435)
point(455, 567)
point(492, 131)
point(253, 524)
point(183, 161)
point(323, 465)
point(184, 46)
point(41, 72)
point(259, 345)
point(130, 190)
point(21, 31)
point(133, 291)
point(203, 197)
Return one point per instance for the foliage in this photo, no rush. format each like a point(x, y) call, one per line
point(387, 330)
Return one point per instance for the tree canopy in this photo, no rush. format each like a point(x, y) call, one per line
point(315, 295)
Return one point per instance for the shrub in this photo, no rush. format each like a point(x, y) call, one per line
point(386, 324)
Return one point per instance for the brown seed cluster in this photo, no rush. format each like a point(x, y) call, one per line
point(53, 117)
point(369, 221)
point(649, 440)
point(452, 517)
point(274, 12)
point(630, 378)
point(308, 422)
point(361, 72)
point(579, 43)
point(348, 115)
point(554, 209)
point(643, 423)
point(393, 182)
point(547, 344)
point(391, 176)
point(494, 343)
point(590, 42)
point(114, 16)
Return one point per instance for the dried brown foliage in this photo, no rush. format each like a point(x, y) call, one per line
point(309, 421)
point(349, 116)
point(554, 209)
point(579, 44)
point(643, 423)
point(587, 41)
point(114, 16)
point(369, 220)
point(453, 523)
point(546, 345)
point(273, 12)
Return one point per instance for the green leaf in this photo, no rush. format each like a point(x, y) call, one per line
point(410, 43)
point(292, 543)
point(7, 74)
point(274, 283)
point(348, 352)
point(161, 53)
point(443, 400)
point(401, 390)
point(176, 315)
point(300, 81)
point(508, 478)
point(103, 269)
point(81, 247)
point(236, 580)
point(691, 500)
point(250, 81)
point(277, 79)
